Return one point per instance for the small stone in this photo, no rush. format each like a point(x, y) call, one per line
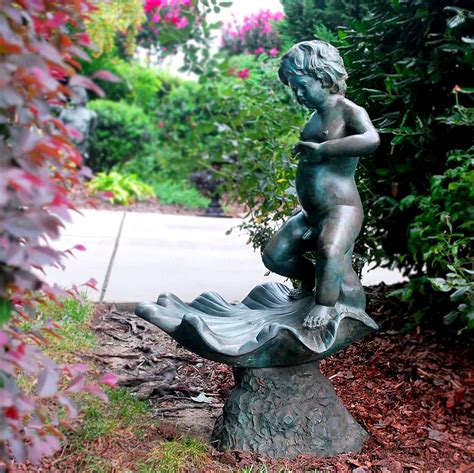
point(438, 436)
point(288, 420)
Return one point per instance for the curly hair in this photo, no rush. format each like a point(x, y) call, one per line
point(317, 59)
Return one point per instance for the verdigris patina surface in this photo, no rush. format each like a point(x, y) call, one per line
point(283, 412)
point(264, 330)
point(282, 406)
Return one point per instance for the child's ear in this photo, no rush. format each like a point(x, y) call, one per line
point(327, 85)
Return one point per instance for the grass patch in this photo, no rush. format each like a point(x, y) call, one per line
point(119, 435)
point(179, 193)
point(74, 334)
point(100, 419)
point(176, 456)
point(74, 317)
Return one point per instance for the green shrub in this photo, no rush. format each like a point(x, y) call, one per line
point(139, 85)
point(180, 193)
point(404, 62)
point(311, 19)
point(123, 132)
point(185, 120)
point(255, 120)
point(125, 188)
point(440, 239)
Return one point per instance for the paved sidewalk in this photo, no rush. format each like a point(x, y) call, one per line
point(136, 256)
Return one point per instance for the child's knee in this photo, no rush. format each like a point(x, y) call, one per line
point(270, 259)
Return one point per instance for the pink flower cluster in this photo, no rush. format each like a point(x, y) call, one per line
point(244, 73)
point(261, 21)
point(168, 11)
point(256, 35)
point(271, 52)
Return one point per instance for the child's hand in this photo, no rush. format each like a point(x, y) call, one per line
point(311, 144)
point(315, 154)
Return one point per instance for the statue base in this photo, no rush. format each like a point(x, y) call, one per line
point(284, 412)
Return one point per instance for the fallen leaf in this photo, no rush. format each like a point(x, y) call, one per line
point(202, 398)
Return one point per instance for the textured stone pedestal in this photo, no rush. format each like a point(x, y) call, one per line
point(284, 412)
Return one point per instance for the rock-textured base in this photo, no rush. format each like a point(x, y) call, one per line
point(284, 412)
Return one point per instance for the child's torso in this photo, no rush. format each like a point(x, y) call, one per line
point(326, 182)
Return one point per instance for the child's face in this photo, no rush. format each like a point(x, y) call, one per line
point(309, 91)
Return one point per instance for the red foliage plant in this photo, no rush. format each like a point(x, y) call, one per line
point(40, 43)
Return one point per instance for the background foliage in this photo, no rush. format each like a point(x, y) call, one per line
point(256, 35)
point(124, 131)
point(310, 19)
point(410, 64)
point(137, 84)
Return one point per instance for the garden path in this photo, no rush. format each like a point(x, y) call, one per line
point(135, 256)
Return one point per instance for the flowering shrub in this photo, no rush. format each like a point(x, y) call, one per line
point(161, 13)
point(41, 42)
point(257, 34)
point(174, 24)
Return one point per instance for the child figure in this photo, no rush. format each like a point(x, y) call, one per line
point(337, 133)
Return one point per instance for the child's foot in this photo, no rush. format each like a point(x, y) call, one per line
point(319, 317)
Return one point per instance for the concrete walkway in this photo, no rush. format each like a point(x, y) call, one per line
point(136, 256)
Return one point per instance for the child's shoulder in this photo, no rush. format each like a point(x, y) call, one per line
point(349, 108)
point(347, 104)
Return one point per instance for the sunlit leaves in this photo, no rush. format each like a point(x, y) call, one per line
point(114, 17)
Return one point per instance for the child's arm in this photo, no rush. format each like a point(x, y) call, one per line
point(364, 141)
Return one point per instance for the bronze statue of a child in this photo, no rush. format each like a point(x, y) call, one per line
point(337, 133)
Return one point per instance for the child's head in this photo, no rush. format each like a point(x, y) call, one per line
point(317, 59)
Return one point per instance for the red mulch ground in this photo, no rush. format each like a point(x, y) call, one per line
point(412, 391)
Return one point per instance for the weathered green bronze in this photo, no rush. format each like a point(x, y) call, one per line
point(275, 330)
point(337, 133)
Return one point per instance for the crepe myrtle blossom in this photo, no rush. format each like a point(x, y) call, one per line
point(273, 52)
point(168, 11)
point(256, 34)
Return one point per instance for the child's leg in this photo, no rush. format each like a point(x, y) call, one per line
point(352, 292)
point(284, 253)
point(339, 229)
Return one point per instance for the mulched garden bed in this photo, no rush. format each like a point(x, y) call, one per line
point(411, 390)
